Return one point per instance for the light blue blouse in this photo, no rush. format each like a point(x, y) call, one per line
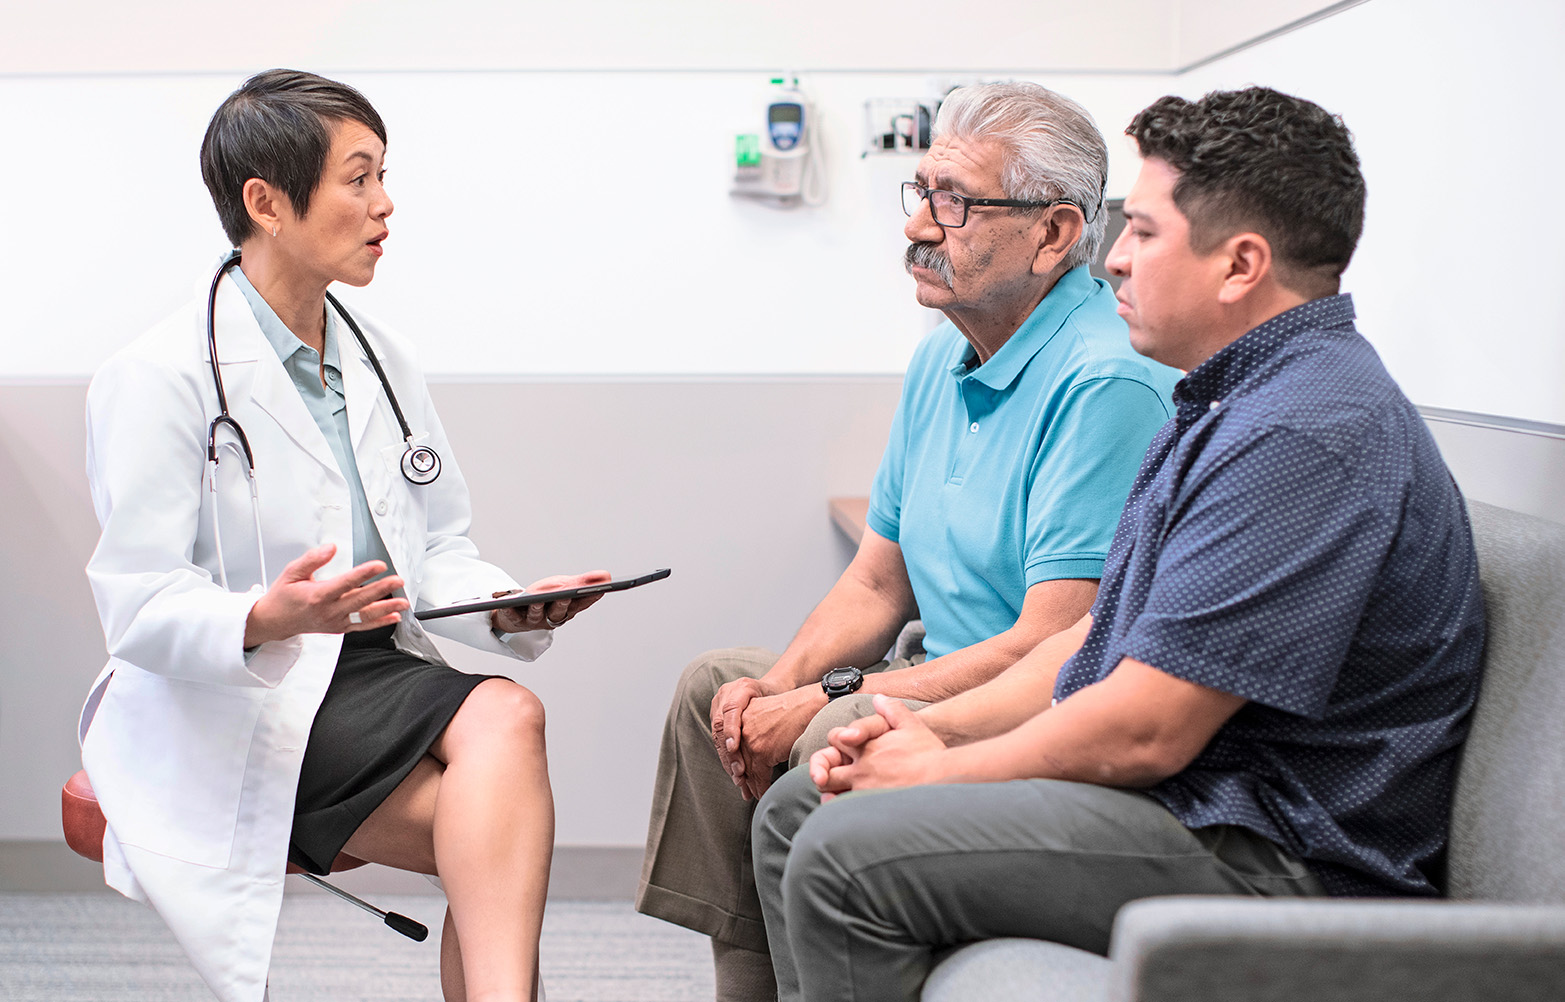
point(327, 406)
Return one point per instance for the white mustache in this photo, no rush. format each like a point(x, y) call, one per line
point(926, 256)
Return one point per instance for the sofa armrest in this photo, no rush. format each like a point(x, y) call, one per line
point(1246, 950)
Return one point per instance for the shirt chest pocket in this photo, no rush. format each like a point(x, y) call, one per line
point(169, 757)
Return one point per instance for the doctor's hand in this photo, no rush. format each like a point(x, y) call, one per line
point(298, 602)
point(549, 615)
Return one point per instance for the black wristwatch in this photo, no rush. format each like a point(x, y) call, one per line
point(841, 681)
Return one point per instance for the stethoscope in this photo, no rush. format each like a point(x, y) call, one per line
point(420, 463)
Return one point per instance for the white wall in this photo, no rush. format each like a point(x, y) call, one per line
point(544, 228)
point(541, 226)
point(1460, 277)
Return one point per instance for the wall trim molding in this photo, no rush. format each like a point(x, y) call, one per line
point(1493, 422)
point(579, 873)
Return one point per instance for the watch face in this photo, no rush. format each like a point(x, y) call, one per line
point(841, 681)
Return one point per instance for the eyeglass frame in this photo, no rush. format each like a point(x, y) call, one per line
point(967, 202)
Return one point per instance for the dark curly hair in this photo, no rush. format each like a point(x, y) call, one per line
point(1268, 162)
point(277, 126)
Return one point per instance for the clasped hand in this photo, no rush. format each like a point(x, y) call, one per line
point(892, 748)
point(754, 726)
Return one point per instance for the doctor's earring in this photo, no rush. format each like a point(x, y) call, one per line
point(274, 229)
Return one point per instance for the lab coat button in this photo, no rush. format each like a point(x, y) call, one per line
point(973, 427)
point(380, 507)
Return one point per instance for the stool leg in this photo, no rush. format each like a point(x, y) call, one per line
point(401, 923)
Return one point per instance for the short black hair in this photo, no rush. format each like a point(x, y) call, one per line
point(277, 126)
point(1257, 159)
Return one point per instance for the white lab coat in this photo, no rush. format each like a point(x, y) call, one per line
point(194, 753)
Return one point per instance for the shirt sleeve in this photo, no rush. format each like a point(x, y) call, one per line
point(1269, 558)
point(1086, 462)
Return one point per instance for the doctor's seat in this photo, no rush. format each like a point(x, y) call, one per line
point(84, 824)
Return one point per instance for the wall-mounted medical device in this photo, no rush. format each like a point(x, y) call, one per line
point(780, 163)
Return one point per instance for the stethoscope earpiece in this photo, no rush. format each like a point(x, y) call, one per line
point(420, 464)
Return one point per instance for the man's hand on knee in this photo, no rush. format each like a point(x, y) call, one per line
point(728, 707)
point(891, 749)
point(850, 739)
point(843, 747)
point(771, 725)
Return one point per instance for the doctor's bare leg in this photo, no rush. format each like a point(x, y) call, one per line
point(479, 812)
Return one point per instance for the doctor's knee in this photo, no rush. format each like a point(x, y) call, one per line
point(497, 711)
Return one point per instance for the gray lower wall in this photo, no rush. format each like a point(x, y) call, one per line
point(725, 481)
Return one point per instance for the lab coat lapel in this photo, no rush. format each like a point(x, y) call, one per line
point(275, 393)
point(360, 384)
point(251, 368)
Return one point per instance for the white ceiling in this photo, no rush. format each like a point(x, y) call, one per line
point(183, 36)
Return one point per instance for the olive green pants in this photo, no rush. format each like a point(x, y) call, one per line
point(862, 893)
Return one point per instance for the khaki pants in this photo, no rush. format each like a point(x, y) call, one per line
point(697, 872)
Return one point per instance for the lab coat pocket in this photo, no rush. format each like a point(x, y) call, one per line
point(167, 757)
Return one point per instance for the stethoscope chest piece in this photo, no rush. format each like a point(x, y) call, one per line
point(420, 464)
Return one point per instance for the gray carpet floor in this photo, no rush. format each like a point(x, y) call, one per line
point(102, 948)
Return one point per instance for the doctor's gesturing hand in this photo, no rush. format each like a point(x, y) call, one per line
point(298, 602)
point(549, 615)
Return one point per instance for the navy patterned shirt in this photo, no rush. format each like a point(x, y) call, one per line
point(1294, 538)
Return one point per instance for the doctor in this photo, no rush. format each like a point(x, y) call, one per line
point(244, 721)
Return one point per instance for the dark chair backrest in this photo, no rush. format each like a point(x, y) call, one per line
point(1508, 820)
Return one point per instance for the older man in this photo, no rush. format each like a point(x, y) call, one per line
point(1270, 691)
point(1014, 445)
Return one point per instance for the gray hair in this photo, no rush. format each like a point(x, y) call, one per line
point(1055, 149)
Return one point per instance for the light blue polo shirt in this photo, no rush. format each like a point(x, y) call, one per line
point(999, 476)
point(327, 405)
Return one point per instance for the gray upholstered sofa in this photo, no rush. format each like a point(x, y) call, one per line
point(1500, 937)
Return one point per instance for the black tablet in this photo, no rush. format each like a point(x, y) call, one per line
point(535, 597)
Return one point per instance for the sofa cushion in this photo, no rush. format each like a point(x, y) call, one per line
point(998, 970)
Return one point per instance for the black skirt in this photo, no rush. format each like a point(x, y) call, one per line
point(382, 711)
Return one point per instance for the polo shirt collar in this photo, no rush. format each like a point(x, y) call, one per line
point(1209, 383)
point(1037, 330)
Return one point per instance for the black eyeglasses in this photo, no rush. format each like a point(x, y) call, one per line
point(950, 209)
